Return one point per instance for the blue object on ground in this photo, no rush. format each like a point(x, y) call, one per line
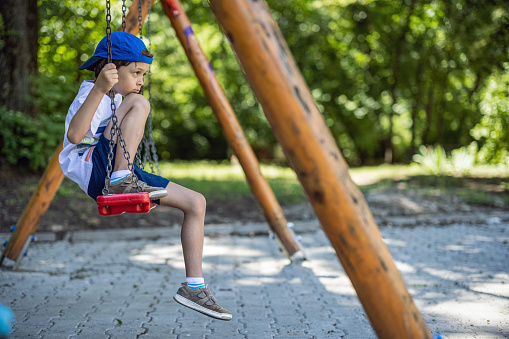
point(6, 321)
point(437, 336)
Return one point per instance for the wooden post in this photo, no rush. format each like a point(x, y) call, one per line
point(320, 167)
point(232, 129)
point(132, 20)
point(37, 206)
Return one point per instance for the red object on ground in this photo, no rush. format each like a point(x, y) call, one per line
point(115, 204)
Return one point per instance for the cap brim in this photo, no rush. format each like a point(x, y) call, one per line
point(90, 63)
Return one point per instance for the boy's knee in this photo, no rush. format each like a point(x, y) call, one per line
point(137, 101)
point(199, 204)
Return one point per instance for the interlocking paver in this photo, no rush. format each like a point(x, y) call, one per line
point(108, 288)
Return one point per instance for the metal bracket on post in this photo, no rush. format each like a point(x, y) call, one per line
point(297, 256)
point(24, 252)
point(174, 10)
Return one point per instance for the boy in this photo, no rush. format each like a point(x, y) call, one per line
point(86, 146)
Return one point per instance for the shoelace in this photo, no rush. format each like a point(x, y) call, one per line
point(209, 297)
point(139, 183)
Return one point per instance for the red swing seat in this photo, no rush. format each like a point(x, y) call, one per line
point(115, 204)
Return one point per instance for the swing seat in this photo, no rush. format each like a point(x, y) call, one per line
point(115, 204)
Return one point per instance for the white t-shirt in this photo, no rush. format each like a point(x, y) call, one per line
point(75, 160)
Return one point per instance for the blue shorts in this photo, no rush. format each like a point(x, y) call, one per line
point(100, 162)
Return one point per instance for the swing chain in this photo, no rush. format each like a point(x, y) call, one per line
point(115, 128)
point(139, 161)
point(111, 144)
point(140, 19)
point(124, 9)
point(152, 145)
point(108, 29)
point(147, 142)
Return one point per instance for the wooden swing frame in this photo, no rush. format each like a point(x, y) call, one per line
point(310, 149)
point(53, 175)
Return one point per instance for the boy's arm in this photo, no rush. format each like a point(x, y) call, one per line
point(80, 123)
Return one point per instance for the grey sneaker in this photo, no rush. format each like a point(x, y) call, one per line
point(126, 185)
point(201, 300)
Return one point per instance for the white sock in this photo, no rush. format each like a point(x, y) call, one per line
point(119, 175)
point(195, 283)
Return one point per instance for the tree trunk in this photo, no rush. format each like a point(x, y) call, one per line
point(18, 53)
point(429, 114)
point(464, 127)
point(415, 110)
point(389, 150)
point(441, 112)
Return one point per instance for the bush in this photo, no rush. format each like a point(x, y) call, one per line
point(28, 141)
point(463, 159)
point(433, 159)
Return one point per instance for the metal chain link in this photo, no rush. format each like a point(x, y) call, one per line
point(140, 19)
point(115, 128)
point(124, 9)
point(146, 141)
point(147, 146)
point(137, 158)
point(112, 143)
point(152, 145)
point(141, 162)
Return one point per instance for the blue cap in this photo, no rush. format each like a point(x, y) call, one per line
point(124, 46)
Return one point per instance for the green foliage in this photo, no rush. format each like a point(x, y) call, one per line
point(26, 140)
point(463, 159)
point(387, 75)
point(397, 74)
point(492, 131)
point(69, 32)
point(53, 95)
point(433, 159)
point(186, 127)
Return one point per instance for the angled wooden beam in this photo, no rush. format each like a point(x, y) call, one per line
point(312, 151)
point(36, 208)
point(132, 18)
point(232, 130)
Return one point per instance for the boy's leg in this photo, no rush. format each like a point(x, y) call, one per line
point(131, 115)
point(193, 205)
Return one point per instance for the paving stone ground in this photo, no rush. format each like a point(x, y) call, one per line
point(120, 284)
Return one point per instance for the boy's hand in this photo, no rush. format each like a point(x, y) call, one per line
point(107, 78)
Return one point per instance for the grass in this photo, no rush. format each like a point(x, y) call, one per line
point(224, 181)
point(485, 185)
point(221, 181)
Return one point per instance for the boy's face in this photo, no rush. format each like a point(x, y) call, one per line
point(130, 78)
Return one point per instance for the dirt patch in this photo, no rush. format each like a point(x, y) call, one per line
point(71, 209)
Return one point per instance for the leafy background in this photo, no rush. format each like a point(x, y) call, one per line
point(389, 77)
